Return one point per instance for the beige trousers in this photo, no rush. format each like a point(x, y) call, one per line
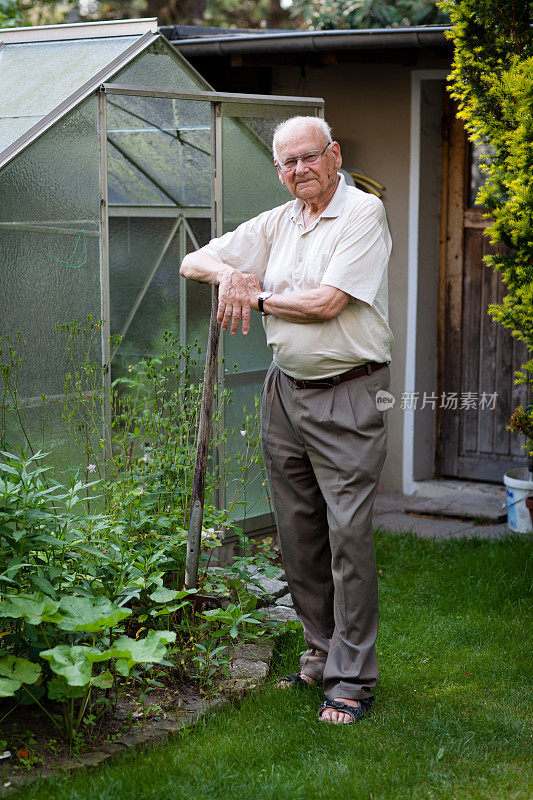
point(324, 449)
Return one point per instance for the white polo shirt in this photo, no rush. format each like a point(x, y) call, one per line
point(348, 247)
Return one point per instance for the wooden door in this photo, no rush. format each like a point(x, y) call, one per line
point(477, 357)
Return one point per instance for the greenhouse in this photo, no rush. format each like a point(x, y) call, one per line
point(116, 159)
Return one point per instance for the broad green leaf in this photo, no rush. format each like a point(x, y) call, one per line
point(29, 698)
point(8, 687)
point(163, 595)
point(73, 663)
point(35, 608)
point(150, 650)
point(103, 681)
point(91, 615)
point(5, 530)
point(161, 612)
point(51, 541)
point(58, 689)
point(14, 672)
point(90, 550)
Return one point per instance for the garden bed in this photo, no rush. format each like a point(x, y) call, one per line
point(97, 633)
point(32, 749)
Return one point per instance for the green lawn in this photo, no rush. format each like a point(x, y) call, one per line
point(450, 718)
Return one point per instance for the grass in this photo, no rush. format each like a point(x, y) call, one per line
point(451, 712)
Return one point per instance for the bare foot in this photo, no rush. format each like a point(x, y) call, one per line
point(332, 715)
point(286, 684)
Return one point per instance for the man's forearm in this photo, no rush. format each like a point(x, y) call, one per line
point(200, 266)
point(314, 305)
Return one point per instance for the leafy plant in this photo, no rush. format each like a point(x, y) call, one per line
point(522, 422)
point(91, 571)
point(59, 597)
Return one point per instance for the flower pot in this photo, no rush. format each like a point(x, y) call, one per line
point(519, 484)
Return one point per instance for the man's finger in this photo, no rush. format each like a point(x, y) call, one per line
point(222, 306)
point(235, 317)
point(245, 314)
point(228, 312)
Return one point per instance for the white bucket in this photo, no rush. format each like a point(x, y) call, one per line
point(519, 486)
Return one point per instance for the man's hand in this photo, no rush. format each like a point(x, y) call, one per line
point(237, 291)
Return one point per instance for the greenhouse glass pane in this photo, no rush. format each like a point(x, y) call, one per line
point(49, 246)
point(159, 151)
point(49, 251)
point(245, 487)
point(48, 432)
point(250, 183)
point(157, 68)
point(36, 77)
point(12, 128)
point(56, 178)
point(135, 243)
point(198, 294)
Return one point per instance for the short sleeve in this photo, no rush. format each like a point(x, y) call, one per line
point(246, 248)
point(359, 260)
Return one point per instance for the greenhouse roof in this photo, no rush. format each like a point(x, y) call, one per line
point(46, 71)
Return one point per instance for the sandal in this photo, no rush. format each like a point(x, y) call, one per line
point(355, 712)
point(295, 680)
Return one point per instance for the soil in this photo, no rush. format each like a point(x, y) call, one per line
point(37, 749)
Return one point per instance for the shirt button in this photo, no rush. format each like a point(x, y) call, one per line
point(300, 258)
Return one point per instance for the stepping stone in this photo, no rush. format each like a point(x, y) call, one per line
point(270, 586)
point(286, 600)
point(249, 666)
point(281, 614)
point(253, 651)
point(469, 505)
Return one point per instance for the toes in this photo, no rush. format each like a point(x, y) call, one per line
point(334, 716)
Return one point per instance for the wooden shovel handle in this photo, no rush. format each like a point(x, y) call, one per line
point(202, 449)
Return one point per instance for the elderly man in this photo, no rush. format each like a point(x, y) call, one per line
point(316, 268)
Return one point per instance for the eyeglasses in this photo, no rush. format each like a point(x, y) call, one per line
point(307, 159)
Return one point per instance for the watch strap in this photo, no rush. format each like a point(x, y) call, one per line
point(261, 299)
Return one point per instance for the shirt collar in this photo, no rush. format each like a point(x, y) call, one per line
point(334, 207)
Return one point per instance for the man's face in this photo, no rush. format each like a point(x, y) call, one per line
point(309, 183)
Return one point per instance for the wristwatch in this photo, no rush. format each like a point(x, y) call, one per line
point(261, 299)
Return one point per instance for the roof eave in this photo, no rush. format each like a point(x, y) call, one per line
point(313, 41)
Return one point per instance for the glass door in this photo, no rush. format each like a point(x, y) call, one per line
point(250, 185)
point(183, 167)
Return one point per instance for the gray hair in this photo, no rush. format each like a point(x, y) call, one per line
point(315, 122)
